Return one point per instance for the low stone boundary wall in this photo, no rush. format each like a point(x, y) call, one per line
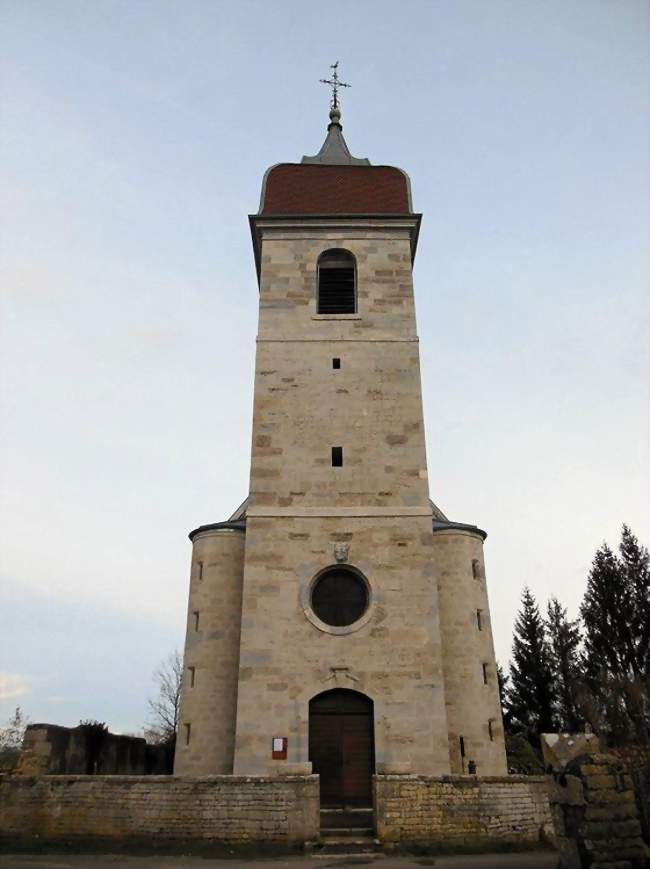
point(459, 812)
point(282, 811)
point(463, 811)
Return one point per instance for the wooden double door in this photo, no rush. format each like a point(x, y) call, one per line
point(341, 747)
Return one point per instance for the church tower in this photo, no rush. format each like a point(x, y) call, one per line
point(338, 621)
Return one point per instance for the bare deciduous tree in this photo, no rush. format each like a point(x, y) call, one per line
point(11, 740)
point(164, 708)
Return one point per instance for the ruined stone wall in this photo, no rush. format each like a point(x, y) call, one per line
point(219, 808)
point(49, 749)
point(637, 761)
point(595, 814)
point(463, 811)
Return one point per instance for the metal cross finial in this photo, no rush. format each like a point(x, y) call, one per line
point(335, 84)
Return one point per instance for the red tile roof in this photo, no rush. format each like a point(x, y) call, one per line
point(297, 188)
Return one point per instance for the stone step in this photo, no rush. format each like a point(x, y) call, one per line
point(352, 845)
point(346, 817)
point(346, 831)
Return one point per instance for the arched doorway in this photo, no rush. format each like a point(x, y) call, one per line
point(342, 746)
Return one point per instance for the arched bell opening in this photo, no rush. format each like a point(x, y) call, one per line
point(342, 746)
point(337, 292)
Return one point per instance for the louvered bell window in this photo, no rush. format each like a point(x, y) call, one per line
point(336, 283)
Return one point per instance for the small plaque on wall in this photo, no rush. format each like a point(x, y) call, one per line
point(279, 748)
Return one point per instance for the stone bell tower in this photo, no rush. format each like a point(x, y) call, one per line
point(338, 620)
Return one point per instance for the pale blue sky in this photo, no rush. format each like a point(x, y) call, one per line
point(134, 140)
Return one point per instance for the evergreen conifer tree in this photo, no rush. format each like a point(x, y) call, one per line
point(530, 695)
point(616, 615)
point(564, 642)
point(635, 566)
point(503, 679)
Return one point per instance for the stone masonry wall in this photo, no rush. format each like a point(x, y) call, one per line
point(371, 406)
point(462, 811)
point(637, 761)
point(595, 814)
point(49, 749)
point(376, 503)
point(218, 808)
point(470, 673)
point(206, 738)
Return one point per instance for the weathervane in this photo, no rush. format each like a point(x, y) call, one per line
point(335, 84)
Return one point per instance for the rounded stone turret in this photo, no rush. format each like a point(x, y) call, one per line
point(471, 686)
point(206, 733)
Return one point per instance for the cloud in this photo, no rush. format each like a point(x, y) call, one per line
point(13, 685)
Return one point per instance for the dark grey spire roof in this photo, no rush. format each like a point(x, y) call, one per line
point(334, 151)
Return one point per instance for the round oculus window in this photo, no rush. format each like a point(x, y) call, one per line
point(339, 597)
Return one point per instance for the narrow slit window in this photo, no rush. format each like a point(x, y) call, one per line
point(462, 746)
point(199, 570)
point(485, 674)
point(188, 732)
point(192, 672)
point(195, 615)
point(336, 283)
point(490, 730)
point(337, 457)
point(479, 619)
point(336, 363)
point(476, 568)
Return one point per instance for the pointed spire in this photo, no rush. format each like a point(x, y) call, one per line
point(334, 151)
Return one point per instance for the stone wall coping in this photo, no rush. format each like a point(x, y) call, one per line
point(467, 779)
point(162, 779)
point(274, 779)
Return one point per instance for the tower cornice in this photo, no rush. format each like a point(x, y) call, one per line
point(345, 222)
